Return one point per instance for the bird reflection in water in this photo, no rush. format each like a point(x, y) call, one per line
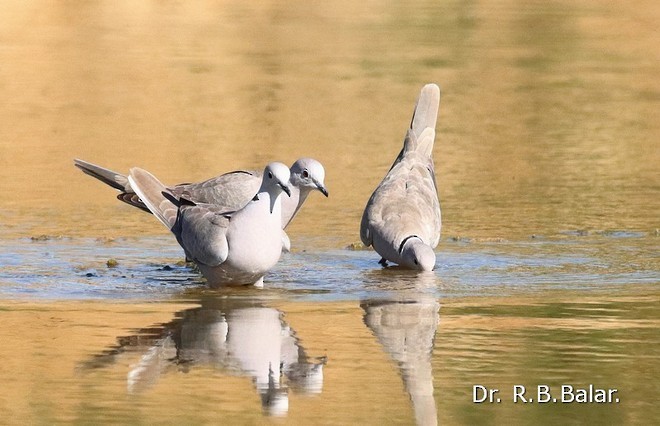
point(405, 323)
point(241, 336)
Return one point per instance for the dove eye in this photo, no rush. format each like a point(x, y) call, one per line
point(270, 175)
point(305, 173)
point(416, 263)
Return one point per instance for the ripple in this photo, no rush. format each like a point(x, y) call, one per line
point(81, 268)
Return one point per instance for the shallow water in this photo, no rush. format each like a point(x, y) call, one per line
point(547, 166)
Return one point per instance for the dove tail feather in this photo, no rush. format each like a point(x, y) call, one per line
point(109, 177)
point(426, 109)
point(421, 134)
point(152, 193)
point(132, 199)
point(425, 142)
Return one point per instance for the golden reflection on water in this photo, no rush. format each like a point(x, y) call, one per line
point(379, 367)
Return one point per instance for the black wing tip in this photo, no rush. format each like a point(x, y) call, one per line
point(132, 199)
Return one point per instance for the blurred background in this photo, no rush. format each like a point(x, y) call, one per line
point(548, 118)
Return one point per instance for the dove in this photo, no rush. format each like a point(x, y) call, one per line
point(402, 218)
point(406, 330)
point(236, 335)
point(229, 248)
point(230, 191)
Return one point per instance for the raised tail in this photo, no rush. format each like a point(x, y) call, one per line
point(426, 109)
point(425, 142)
point(153, 193)
point(115, 180)
point(109, 177)
point(424, 118)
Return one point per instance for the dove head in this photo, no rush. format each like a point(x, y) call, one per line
point(417, 255)
point(276, 179)
point(308, 174)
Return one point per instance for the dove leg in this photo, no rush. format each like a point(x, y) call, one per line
point(383, 262)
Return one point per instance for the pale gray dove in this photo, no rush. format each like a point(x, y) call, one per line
point(230, 248)
point(402, 218)
point(230, 191)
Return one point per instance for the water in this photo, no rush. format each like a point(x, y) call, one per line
point(547, 167)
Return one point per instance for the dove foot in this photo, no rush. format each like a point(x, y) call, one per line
point(383, 262)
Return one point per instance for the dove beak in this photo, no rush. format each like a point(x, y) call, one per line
point(321, 188)
point(285, 189)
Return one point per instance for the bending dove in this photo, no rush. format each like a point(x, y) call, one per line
point(402, 218)
point(230, 248)
point(230, 191)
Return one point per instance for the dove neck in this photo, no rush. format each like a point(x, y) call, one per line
point(405, 240)
point(270, 196)
point(291, 205)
